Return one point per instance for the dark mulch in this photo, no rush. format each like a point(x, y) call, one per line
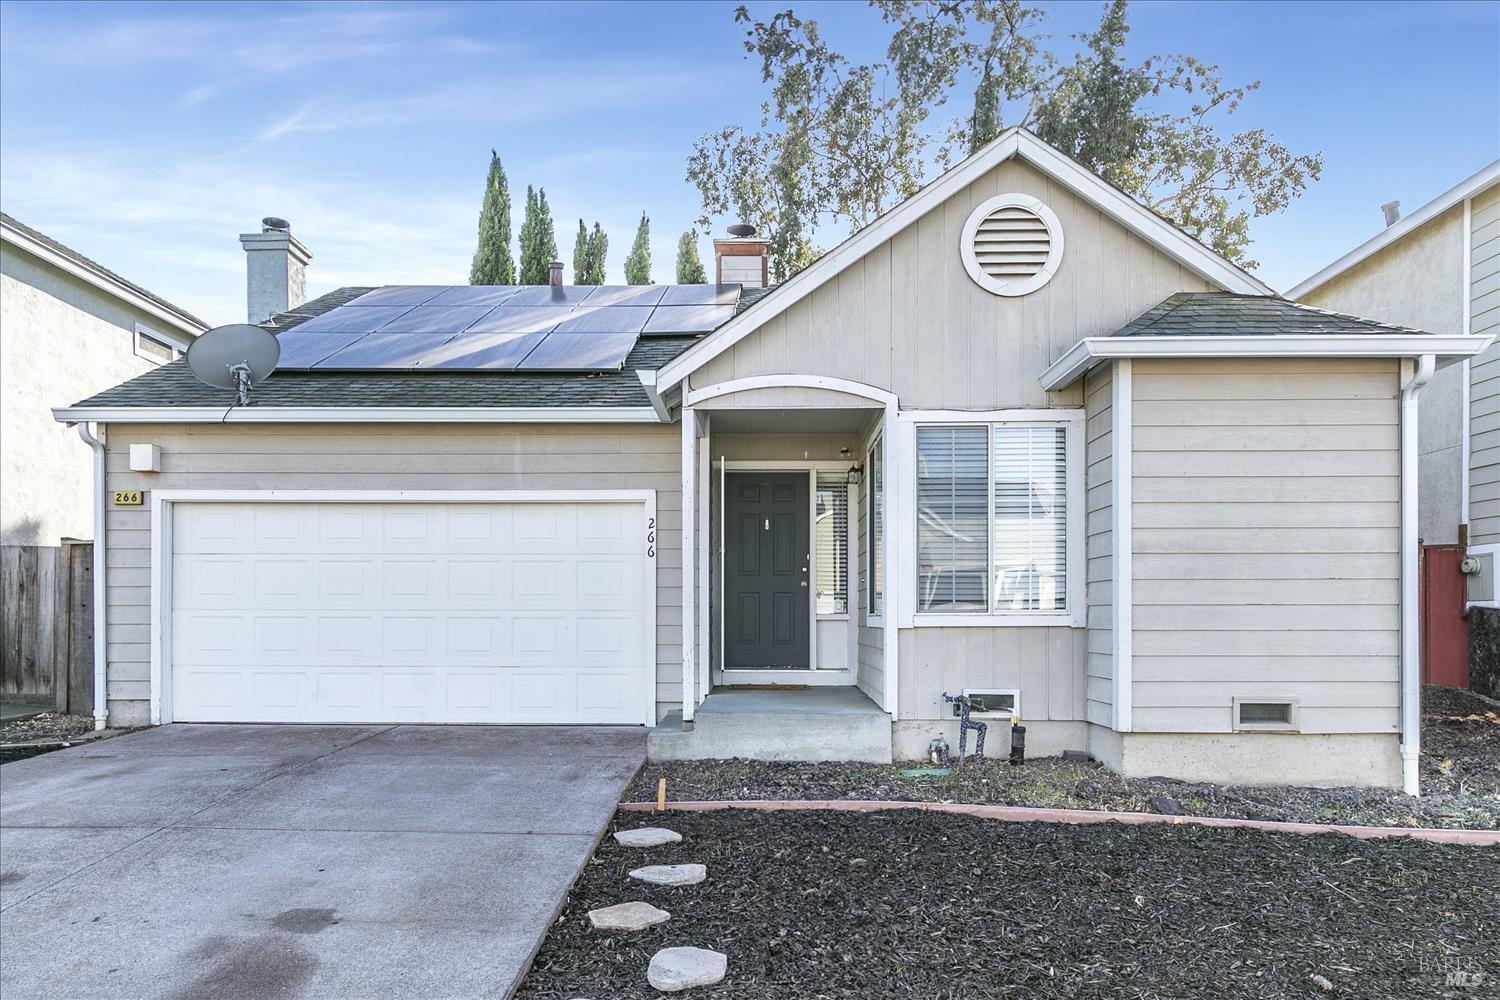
point(1460, 782)
point(9, 755)
point(912, 904)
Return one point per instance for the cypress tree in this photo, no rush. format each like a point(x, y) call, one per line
point(689, 266)
point(538, 239)
point(638, 263)
point(493, 263)
point(582, 253)
point(598, 248)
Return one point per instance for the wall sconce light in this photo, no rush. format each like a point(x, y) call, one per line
point(856, 475)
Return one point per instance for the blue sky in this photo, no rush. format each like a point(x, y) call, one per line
point(149, 135)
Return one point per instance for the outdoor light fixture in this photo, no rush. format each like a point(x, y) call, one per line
point(856, 475)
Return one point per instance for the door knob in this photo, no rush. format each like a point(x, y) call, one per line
point(802, 584)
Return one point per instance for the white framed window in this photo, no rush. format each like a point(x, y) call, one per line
point(998, 533)
point(875, 519)
point(831, 542)
point(154, 347)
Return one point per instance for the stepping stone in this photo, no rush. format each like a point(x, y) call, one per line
point(671, 874)
point(627, 917)
point(674, 969)
point(647, 836)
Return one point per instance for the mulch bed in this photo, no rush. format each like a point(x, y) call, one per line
point(1460, 782)
point(916, 904)
point(47, 726)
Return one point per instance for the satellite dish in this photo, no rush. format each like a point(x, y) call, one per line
point(234, 357)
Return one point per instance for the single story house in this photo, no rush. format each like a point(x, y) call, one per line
point(1020, 437)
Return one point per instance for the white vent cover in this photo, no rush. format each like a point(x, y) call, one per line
point(1012, 244)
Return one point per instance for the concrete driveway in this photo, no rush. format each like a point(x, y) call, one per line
point(297, 861)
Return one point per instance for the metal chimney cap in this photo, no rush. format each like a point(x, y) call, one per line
point(1392, 212)
point(741, 229)
point(271, 224)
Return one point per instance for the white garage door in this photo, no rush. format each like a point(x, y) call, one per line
point(410, 612)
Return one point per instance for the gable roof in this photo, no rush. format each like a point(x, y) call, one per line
point(41, 245)
point(1013, 142)
point(1226, 314)
point(1459, 193)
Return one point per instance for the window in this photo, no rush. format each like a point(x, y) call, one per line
point(153, 346)
point(992, 518)
point(831, 539)
point(875, 496)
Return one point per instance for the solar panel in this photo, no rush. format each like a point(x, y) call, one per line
point(550, 295)
point(520, 319)
point(701, 295)
point(688, 319)
point(580, 352)
point(300, 349)
point(494, 351)
point(473, 295)
point(397, 295)
point(352, 319)
point(385, 350)
point(626, 295)
point(609, 319)
point(436, 319)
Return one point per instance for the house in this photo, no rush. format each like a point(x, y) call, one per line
point(71, 328)
point(1056, 452)
point(1438, 269)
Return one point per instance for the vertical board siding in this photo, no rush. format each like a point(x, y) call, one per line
point(1099, 559)
point(1484, 371)
point(47, 625)
point(347, 457)
point(1266, 542)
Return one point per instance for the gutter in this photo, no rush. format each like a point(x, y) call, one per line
point(1411, 680)
point(227, 414)
point(95, 440)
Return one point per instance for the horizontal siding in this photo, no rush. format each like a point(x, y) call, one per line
point(1099, 550)
point(1484, 371)
point(1046, 664)
point(429, 457)
point(1266, 542)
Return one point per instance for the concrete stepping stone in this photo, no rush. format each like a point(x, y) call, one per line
point(671, 874)
point(674, 969)
point(627, 917)
point(647, 836)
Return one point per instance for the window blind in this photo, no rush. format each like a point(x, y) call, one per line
point(953, 516)
point(1030, 521)
point(876, 541)
point(831, 539)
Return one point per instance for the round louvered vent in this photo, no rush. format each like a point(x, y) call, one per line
point(1012, 244)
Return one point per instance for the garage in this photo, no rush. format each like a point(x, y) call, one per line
point(414, 610)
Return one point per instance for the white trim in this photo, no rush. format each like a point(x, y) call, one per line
point(1466, 389)
point(658, 405)
point(1072, 420)
point(1013, 142)
point(1011, 289)
point(104, 282)
point(697, 397)
point(142, 331)
point(357, 414)
point(689, 555)
point(1414, 377)
point(873, 618)
point(1122, 520)
point(723, 493)
point(1092, 350)
point(890, 595)
point(162, 502)
point(96, 438)
point(1463, 190)
point(705, 534)
point(1013, 715)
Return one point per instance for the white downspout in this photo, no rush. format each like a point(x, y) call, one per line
point(1411, 680)
point(95, 440)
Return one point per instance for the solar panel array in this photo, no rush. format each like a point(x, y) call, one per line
point(526, 328)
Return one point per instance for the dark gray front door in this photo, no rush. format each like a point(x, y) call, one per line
point(765, 571)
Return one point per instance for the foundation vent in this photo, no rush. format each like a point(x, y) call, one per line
point(1255, 714)
point(1012, 244)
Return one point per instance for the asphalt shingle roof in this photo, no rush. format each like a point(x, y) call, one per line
point(1229, 314)
point(175, 385)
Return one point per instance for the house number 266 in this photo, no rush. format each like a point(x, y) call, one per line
point(650, 538)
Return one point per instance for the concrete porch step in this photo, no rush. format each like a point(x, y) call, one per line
point(810, 724)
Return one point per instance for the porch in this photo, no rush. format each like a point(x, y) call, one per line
point(797, 724)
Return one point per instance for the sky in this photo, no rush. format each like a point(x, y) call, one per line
point(148, 136)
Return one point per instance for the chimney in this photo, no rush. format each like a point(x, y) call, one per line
point(740, 258)
point(275, 270)
point(555, 274)
point(1392, 212)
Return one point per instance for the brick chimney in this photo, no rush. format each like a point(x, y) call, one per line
point(275, 270)
point(741, 258)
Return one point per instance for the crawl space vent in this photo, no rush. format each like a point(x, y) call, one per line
point(1012, 244)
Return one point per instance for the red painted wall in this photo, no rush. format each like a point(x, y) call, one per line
point(1445, 631)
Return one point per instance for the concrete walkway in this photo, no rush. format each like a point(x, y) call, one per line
point(297, 861)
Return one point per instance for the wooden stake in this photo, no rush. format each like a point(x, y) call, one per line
point(661, 795)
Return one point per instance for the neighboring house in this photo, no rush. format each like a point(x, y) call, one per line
point(1057, 450)
point(1438, 269)
point(68, 328)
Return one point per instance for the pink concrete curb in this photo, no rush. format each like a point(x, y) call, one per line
point(1021, 814)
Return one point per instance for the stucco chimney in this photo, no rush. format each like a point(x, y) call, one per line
point(555, 274)
point(741, 258)
point(275, 270)
point(1392, 212)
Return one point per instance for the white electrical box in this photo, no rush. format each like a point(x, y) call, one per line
point(145, 458)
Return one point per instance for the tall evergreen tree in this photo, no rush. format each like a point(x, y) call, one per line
point(493, 263)
point(598, 249)
point(538, 238)
point(689, 266)
point(638, 262)
point(582, 250)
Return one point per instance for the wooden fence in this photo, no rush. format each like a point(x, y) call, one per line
point(47, 625)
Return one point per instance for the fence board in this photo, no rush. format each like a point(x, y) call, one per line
point(46, 624)
point(80, 647)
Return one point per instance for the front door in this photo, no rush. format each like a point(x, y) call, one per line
point(767, 589)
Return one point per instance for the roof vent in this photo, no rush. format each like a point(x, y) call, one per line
point(271, 224)
point(1392, 212)
point(741, 229)
point(1012, 244)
